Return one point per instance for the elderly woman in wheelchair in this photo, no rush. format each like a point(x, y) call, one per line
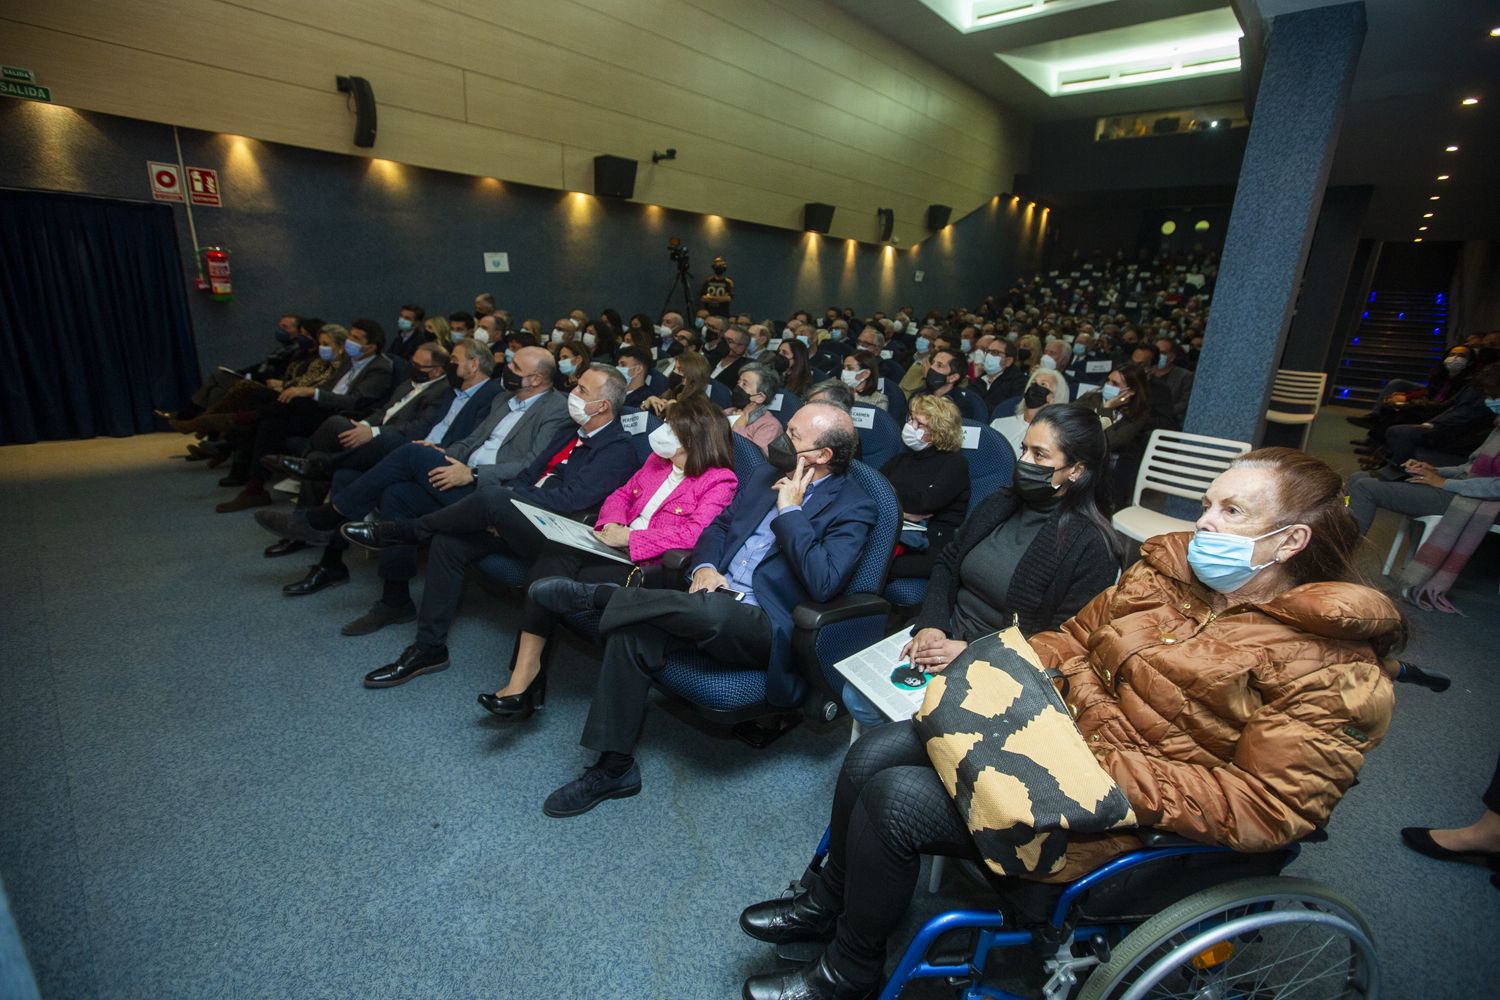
point(1227, 688)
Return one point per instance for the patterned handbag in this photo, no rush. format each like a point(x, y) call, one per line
point(1000, 737)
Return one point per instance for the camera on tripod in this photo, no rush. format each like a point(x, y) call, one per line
point(678, 251)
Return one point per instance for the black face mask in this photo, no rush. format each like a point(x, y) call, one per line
point(1033, 483)
point(675, 348)
point(1023, 354)
point(781, 455)
point(674, 380)
point(935, 381)
point(739, 398)
point(419, 375)
point(1036, 396)
point(781, 363)
point(454, 378)
point(510, 381)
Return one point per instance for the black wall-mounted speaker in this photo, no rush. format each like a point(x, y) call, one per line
point(614, 176)
point(887, 217)
point(364, 108)
point(937, 216)
point(817, 217)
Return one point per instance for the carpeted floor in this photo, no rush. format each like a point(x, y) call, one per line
point(199, 799)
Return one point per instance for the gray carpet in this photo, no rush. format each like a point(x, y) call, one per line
point(199, 800)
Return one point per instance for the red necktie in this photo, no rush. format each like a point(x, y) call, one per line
point(558, 459)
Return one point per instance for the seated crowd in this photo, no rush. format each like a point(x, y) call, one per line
point(431, 438)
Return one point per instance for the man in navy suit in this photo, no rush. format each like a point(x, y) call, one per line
point(793, 534)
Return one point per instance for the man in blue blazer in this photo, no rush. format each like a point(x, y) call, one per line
point(793, 535)
point(572, 476)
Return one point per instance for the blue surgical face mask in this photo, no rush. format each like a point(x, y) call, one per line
point(803, 337)
point(1079, 349)
point(625, 372)
point(1494, 405)
point(325, 352)
point(836, 334)
point(1223, 561)
point(698, 322)
point(1111, 391)
point(352, 349)
point(1161, 361)
point(566, 366)
point(963, 345)
point(510, 355)
point(923, 344)
point(992, 364)
point(403, 324)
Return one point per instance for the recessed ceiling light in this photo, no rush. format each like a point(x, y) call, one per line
point(1495, 32)
point(1450, 149)
point(1469, 101)
point(1421, 229)
point(1417, 240)
point(1426, 215)
point(1434, 198)
point(1442, 177)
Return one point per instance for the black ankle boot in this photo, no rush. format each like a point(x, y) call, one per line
point(817, 981)
point(788, 919)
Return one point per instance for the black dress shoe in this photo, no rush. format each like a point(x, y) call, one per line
point(817, 981)
point(578, 797)
point(235, 479)
point(788, 919)
point(1365, 420)
point(1419, 839)
point(563, 596)
point(284, 547)
point(379, 617)
point(518, 707)
point(1432, 680)
point(299, 468)
point(413, 662)
point(376, 535)
point(317, 578)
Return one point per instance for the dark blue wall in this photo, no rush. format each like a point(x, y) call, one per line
point(1065, 157)
point(341, 237)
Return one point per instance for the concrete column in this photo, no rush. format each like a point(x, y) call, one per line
point(1326, 278)
point(1309, 66)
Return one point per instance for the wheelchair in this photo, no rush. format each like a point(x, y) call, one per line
point(1174, 919)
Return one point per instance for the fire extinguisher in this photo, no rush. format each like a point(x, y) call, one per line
point(216, 266)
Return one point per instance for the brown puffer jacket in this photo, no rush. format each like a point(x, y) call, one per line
point(1242, 728)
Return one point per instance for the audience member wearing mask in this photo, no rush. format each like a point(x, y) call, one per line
point(928, 340)
point(1123, 403)
point(1244, 732)
point(861, 373)
point(726, 370)
point(297, 358)
point(1044, 389)
point(749, 405)
point(686, 482)
point(931, 479)
point(410, 332)
point(572, 361)
point(460, 326)
point(1033, 554)
point(634, 364)
point(1169, 375)
point(1000, 377)
point(793, 535)
point(571, 476)
point(688, 377)
point(793, 368)
point(421, 477)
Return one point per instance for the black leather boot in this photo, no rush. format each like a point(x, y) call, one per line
point(788, 919)
point(817, 981)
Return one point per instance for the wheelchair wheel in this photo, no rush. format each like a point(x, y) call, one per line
point(1252, 939)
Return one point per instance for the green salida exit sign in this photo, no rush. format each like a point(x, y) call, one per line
point(18, 82)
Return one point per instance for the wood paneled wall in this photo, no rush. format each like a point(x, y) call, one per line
point(769, 103)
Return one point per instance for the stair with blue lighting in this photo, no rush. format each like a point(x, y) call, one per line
point(1400, 335)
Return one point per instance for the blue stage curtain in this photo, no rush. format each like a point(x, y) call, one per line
point(94, 325)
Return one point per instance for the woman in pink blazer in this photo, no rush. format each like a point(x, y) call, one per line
point(686, 481)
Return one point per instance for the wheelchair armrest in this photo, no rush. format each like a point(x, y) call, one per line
point(811, 617)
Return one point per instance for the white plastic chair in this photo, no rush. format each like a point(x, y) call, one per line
point(1296, 398)
point(1423, 526)
point(1180, 465)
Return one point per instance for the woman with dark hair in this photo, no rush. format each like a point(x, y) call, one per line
point(601, 340)
point(683, 485)
point(1228, 687)
point(1033, 553)
point(791, 364)
point(688, 379)
point(1124, 403)
point(862, 375)
point(573, 359)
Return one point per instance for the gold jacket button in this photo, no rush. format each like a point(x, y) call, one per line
point(1107, 677)
point(1187, 605)
point(1168, 638)
point(1095, 737)
point(1074, 709)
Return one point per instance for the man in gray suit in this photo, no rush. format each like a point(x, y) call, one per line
point(420, 477)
